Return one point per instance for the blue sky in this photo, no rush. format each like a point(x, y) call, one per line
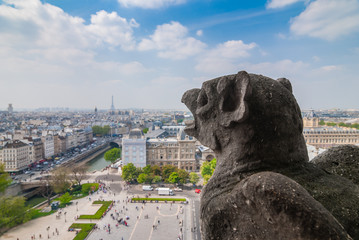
point(65, 53)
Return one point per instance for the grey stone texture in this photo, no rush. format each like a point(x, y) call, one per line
point(342, 160)
point(264, 186)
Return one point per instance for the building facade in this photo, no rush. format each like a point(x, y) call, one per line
point(48, 147)
point(179, 152)
point(134, 148)
point(327, 137)
point(15, 156)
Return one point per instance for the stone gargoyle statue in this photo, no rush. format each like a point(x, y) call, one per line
point(264, 187)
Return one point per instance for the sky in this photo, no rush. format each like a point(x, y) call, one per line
point(147, 53)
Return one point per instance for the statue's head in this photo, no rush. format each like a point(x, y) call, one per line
point(245, 109)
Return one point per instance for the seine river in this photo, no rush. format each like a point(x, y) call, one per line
point(97, 163)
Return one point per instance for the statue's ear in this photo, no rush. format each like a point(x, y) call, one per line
point(286, 83)
point(233, 93)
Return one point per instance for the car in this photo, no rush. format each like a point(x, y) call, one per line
point(177, 189)
point(197, 191)
point(27, 172)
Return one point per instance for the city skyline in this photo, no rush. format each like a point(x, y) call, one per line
point(147, 53)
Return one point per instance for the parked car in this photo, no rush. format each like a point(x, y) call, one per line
point(147, 188)
point(177, 189)
point(197, 191)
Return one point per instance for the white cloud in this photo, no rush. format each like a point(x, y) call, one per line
point(172, 42)
point(31, 24)
point(112, 29)
point(330, 68)
point(281, 3)
point(151, 4)
point(199, 33)
point(316, 58)
point(224, 57)
point(327, 19)
point(284, 68)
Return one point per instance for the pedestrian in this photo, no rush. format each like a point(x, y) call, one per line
point(158, 222)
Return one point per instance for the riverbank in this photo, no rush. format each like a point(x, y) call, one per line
point(88, 158)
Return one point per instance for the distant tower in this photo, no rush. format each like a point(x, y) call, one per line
point(95, 110)
point(10, 109)
point(112, 107)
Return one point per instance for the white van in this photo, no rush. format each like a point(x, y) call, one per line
point(147, 188)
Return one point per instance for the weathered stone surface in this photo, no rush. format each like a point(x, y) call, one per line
point(253, 124)
point(342, 160)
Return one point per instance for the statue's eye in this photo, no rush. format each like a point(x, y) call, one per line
point(202, 99)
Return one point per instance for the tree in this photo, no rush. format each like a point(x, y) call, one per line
point(173, 178)
point(106, 130)
point(65, 198)
point(156, 179)
point(182, 176)
point(207, 169)
point(101, 131)
point(113, 154)
point(13, 211)
point(147, 169)
point(79, 173)
point(5, 179)
point(129, 172)
point(213, 164)
point(145, 130)
point(60, 181)
point(321, 122)
point(156, 170)
point(46, 189)
point(193, 177)
point(167, 170)
point(142, 178)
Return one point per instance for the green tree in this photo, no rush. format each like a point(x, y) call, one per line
point(145, 130)
point(142, 178)
point(193, 177)
point(147, 169)
point(101, 131)
point(157, 179)
point(65, 198)
point(206, 178)
point(156, 170)
point(183, 176)
point(13, 211)
point(206, 169)
point(173, 178)
point(167, 170)
point(321, 122)
point(112, 155)
point(213, 164)
point(341, 124)
point(129, 172)
point(5, 179)
point(106, 130)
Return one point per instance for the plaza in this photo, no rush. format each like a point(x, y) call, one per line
point(145, 221)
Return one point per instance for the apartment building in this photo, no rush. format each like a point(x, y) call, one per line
point(134, 148)
point(15, 156)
